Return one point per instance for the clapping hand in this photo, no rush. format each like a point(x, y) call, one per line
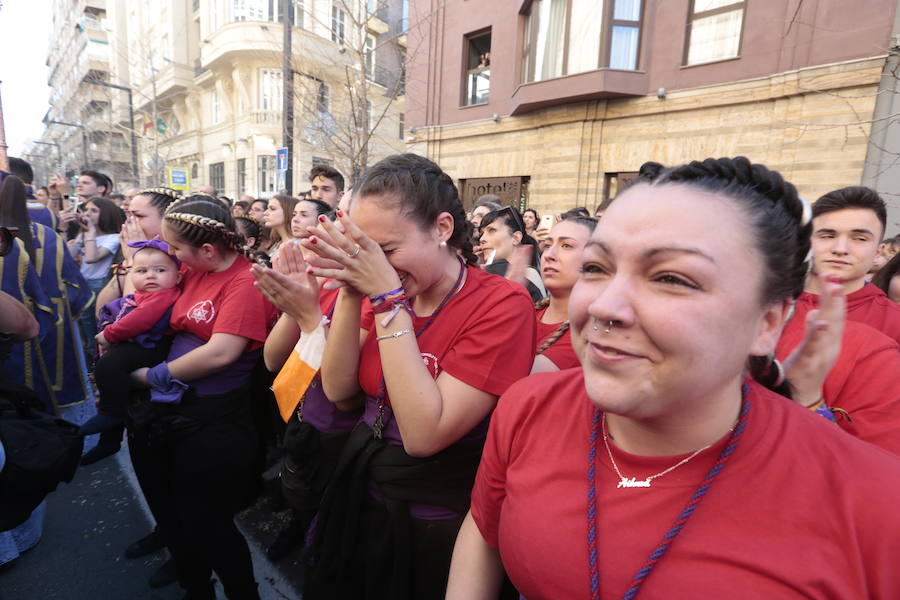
point(809, 364)
point(290, 287)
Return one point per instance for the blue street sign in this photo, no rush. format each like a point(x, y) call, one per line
point(179, 178)
point(281, 159)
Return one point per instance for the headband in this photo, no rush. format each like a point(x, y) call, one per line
point(156, 244)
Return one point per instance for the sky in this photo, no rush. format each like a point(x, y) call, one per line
point(24, 35)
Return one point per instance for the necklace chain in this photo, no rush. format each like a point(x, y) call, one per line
point(628, 482)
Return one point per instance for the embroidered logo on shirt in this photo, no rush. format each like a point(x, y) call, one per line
point(202, 312)
point(431, 363)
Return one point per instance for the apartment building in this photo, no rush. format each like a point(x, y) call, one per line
point(556, 103)
point(207, 76)
point(82, 128)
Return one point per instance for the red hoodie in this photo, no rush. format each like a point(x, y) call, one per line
point(867, 305)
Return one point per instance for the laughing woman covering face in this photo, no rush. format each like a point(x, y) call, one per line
point(443, 340)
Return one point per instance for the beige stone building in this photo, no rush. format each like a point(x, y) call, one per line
point(206, 77)
point(576, 95)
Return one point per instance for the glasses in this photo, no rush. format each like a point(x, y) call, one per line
point(517, 218)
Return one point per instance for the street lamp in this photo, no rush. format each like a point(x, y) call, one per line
point(134, 153)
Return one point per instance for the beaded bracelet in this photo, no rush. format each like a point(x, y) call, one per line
point(379, 298)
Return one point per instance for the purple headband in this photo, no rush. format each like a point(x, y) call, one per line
point(156, 244)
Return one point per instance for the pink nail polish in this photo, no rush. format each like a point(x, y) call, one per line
point(321, 218)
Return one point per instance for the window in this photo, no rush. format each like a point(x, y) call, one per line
point(250, 10)
point(270, 89)
point(401, 121)
point(299, 12)
point(217, 176)
point(614, 183)
point(322, 98)
point(404, 19)
point(265, 175)
point(565, 37)
point(325, 162)
point(215, 107)
point(241, 172)
point(338, 24)
point(370, 57)
point(195, 171)
point(713, 31)
point(478, 69)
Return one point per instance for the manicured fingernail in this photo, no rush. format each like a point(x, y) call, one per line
point(322, 218)
point(340, 213)
point(313, 240)
point(309, 271)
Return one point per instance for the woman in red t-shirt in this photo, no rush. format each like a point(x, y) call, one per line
point(560, 268)
point(200, 445)
point(659, 468)
point(443, 340)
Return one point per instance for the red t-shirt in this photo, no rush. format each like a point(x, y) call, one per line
point(864, 381)
point(484, 336)
point(561, 352)
point(224, 302)
point(800, 510)
point(149, 308)
point(867, 305)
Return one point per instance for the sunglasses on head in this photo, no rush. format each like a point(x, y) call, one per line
point(520, 224)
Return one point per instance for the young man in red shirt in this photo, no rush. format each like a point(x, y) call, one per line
point(848, 225)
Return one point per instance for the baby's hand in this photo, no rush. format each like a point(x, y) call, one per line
point(102, 340)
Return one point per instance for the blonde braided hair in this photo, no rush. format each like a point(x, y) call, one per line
point(221, 229)
point(163, 191)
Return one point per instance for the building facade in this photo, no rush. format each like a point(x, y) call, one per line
point(83, 128)
point(209, 76)
point(206, 78)
point(557, 103)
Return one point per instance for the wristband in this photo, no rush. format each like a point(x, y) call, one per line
point(395, 306)
point(821, 409)
point(163, 387)
point(376, 299)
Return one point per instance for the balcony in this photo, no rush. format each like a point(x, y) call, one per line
point(265, 117)
point(592, 85)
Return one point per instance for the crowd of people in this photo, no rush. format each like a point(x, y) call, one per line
point(696, 386)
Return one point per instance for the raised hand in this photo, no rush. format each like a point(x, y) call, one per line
point(809, 364)
point(290, 287)
point(353, 258)
point(518, 264)
point(131, 232)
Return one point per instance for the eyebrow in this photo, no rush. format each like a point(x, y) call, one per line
point(649, 254)
point(829, 230)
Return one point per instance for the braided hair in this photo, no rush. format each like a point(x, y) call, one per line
point(424, 191)
point(201, 219)
point(160, 197)
point(780, 220)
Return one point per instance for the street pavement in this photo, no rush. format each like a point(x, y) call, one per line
point(89, 523)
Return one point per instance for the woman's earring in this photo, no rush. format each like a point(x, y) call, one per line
point(443, 244)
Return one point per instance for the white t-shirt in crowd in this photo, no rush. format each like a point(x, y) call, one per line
point(100, 268)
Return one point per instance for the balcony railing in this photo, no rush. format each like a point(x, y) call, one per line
point(265, 117)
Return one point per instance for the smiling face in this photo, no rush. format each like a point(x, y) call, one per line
point(677, 272)
point(561, 261)
point(153, 270)
point(147, 216)
point(844, 245)
point(499, 236)
point(305, 215)
point(415, 254)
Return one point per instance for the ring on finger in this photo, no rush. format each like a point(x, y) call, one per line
point(355, 253)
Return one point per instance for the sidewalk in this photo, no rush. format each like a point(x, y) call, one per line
point(89, 523)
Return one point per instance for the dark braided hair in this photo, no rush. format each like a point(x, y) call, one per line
point(202, 219)
point(780, 220)
point(424, 192)
point(161, 197)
